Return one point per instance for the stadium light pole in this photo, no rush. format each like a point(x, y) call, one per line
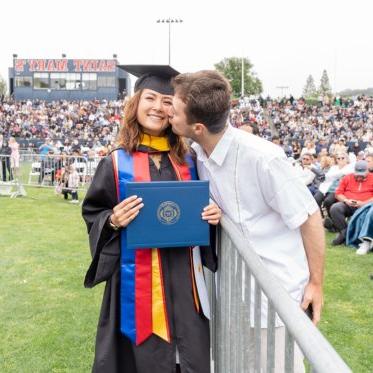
point(14, 58)
point(169, 21)
point(242, 77)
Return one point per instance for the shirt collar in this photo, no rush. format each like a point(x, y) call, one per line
point(221, 149)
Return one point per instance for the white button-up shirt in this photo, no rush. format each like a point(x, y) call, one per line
point(261, 192)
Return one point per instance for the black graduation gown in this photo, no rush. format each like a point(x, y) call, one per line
point(189, 330)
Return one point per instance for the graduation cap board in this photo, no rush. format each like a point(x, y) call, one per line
point(155, 77)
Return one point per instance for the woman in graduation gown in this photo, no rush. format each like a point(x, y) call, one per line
point(165, 329)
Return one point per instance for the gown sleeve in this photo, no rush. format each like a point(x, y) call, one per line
point(208, 253)
point(103, 241)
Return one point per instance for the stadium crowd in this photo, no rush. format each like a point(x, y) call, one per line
point(327, 142)
point(293, 123)
point(297, 123)
point(91, 124)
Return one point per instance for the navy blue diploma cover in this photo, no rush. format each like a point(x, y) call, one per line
point(171, 216)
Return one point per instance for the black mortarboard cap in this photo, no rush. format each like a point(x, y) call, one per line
point(155, 77)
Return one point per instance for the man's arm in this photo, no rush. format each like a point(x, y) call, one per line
point(344, 199)
point(339, 193)
point(313, 236)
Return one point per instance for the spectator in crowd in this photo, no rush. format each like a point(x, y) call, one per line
point(14, 157)
point(360, 226)
point(354, 191)
point(354, 147)
point(325, 194)
point(310, 173)
point(332, 146)
point(326, 163)
point(369, 147)
point(322, 153)
point(369, 159)
point(360, 229)
point(309, 149)
point(340, 147)
point(46, 161)
point(306, 166)
point(2, 158)
point(76, 148)
point(296, 149)
point(70, 183)
point(322, 146)
point(46, 148)
point(360, 156)
point(5, 152)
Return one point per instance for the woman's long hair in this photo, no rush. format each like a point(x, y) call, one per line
point(130, 133)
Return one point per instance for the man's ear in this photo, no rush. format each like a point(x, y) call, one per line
point(199, 129)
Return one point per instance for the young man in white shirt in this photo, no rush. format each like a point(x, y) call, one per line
point(257, 188)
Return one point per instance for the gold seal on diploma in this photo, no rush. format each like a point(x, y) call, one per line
point(168, 212)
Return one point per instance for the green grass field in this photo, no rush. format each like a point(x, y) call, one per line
point(48, 320)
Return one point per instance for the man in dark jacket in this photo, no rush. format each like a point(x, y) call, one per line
point(5, 159)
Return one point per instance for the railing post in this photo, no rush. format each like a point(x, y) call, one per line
point(289, 352)
point(257, 327)
point(271, 338)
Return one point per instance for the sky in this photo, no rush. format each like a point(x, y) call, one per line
point(286, 40)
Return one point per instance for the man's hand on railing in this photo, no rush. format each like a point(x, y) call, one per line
point(313, 297)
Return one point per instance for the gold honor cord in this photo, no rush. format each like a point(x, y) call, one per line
point(160, 326)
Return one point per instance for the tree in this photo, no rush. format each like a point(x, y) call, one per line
point(325, 88)
point(309, 90)
point(231, 68)
point(3, 87)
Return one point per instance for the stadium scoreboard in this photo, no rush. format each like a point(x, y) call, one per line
point(67, 79)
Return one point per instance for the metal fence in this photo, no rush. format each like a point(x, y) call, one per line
point(45, 170)
point(236, 343)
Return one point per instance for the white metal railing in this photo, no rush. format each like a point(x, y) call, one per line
point(231, 332)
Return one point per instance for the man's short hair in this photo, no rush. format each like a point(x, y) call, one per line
point(207, 96)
